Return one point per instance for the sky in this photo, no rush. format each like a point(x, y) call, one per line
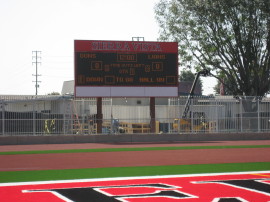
point(51, 26)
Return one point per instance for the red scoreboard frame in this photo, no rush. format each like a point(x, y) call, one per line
point(125, 69)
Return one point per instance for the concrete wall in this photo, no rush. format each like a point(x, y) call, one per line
point(128, 138)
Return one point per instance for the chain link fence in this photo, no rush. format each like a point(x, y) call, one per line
point(49, 115)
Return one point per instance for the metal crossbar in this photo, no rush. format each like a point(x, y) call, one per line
point(65, 115)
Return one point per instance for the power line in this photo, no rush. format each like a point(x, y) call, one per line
point(36, 57)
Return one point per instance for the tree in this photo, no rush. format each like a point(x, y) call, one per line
point(187, 75)
point(229, 37)
point(224, 86)
point(222, 89)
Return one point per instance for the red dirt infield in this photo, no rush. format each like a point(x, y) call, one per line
point(130, 158)
point(4, 148)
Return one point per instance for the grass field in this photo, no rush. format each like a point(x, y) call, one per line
point(45, 175)
point(131, 149)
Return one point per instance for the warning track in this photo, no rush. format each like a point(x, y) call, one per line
point(75, 160)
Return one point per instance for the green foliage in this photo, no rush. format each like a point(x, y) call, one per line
point(226, 90)
point(232, 38)
point(129, 149)
point(187, 75)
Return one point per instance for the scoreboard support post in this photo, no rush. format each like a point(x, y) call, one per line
point(99, 115)
point(153, 114)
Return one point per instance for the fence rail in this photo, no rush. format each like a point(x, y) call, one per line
point(62, 115)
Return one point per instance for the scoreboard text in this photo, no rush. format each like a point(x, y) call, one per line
point(126, 64)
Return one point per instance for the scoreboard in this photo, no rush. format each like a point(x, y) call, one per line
point(126, 69)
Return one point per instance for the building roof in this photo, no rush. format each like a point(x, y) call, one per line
point(68, 88)
point(185, 87)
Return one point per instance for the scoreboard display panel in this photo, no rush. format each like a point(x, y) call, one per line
point(126, 69)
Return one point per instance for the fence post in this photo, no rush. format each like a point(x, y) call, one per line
point(3, 117)
point(34, 118)
point(258, 111)
point(217, 120)
point(191, 114)
point(180, 115)
point(65, 121)
point(168, 112)
point(241, 116)
point(112, 122)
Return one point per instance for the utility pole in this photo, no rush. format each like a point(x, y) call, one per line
point(36, 60)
